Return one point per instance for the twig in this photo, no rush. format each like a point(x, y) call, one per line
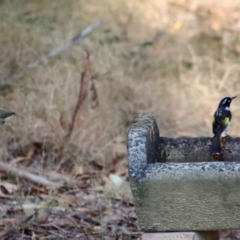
point(34, 63)
point(83, 91)
point(140, 47)
point(67, 181)
point(22, 173)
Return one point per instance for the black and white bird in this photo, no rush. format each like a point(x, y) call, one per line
point(221, 123)
point(5, 115)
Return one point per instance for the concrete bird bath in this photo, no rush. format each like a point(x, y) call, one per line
point(179, 191)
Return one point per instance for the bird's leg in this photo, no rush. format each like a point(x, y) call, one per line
point(224, 137)
point(223, 140)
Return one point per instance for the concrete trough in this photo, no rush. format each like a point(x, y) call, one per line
point(180, 196)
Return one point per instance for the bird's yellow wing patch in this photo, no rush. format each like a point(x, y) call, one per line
point(226, 121)
point(213, 120)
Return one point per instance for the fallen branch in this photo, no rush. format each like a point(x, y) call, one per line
point(67, 181)
point(34, 63)
point(23, 173)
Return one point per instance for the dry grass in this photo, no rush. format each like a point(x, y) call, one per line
point(179, 79)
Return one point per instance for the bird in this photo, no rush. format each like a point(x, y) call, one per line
point(5, 115)
point(221, 123)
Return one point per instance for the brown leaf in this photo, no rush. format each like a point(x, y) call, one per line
point(30, 152)
point(67, 199)
point(3, 233)
point(19, 160)
point(66, 222)
point(8, 221)
point(97, 165)
point(78, 170)
point(9, 188)
point(105, 179)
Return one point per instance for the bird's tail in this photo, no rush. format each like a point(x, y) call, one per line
point(216, 145)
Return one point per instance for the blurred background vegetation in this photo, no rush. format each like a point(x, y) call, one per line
point(174, 59)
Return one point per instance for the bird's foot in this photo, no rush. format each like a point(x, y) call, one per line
point(217, 155)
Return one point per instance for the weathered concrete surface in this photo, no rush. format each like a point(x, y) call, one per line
point(222, 235)
point(168, 236)
point(190, 196)
point(185, 149)
point(143, 139)
point(183, 236)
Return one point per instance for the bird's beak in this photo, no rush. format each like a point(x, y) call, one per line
point(234, 97)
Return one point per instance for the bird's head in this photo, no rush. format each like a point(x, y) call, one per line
point(226, 102)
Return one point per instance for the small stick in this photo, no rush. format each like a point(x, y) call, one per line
point(82, 95)
point(68, 181)
point(143, 45)
point(34, 63)
point(21, 173)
